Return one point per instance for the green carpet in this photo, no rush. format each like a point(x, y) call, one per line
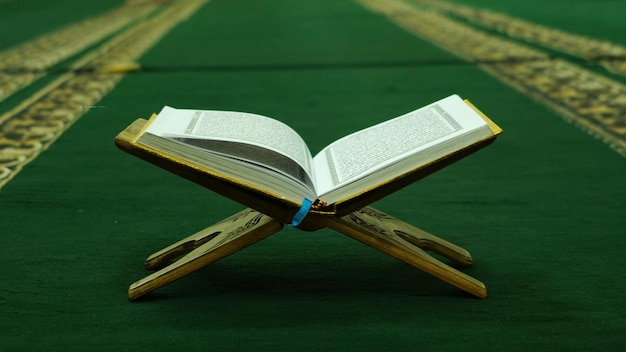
point(541, 210)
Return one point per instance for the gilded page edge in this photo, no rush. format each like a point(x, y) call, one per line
point(495, 128)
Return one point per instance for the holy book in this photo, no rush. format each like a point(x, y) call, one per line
point(267, 155)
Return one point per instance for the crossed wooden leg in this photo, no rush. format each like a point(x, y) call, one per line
point(203, 248)
point(407, 243)
point(374, 228)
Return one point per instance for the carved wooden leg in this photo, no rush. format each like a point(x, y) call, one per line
point(407, 243)
point(203, 248)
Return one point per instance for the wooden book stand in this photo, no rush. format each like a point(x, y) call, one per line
point(266, 215)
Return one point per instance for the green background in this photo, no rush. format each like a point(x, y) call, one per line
point(541, 210)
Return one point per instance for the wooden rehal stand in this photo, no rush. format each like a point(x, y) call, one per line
point(352, 217)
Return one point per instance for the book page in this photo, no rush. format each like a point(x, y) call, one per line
point(251, 175)
point(382, 145)
point(270, 140)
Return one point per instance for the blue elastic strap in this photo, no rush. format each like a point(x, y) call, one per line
point(304, 209)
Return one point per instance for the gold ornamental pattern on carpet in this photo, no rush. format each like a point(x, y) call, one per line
point(28, 129)
point(588, 99)
point(25, 63)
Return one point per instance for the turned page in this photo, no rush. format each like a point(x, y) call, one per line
point(243, 136)
point(429, 130)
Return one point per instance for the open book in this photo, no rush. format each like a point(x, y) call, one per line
point(268, 155)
